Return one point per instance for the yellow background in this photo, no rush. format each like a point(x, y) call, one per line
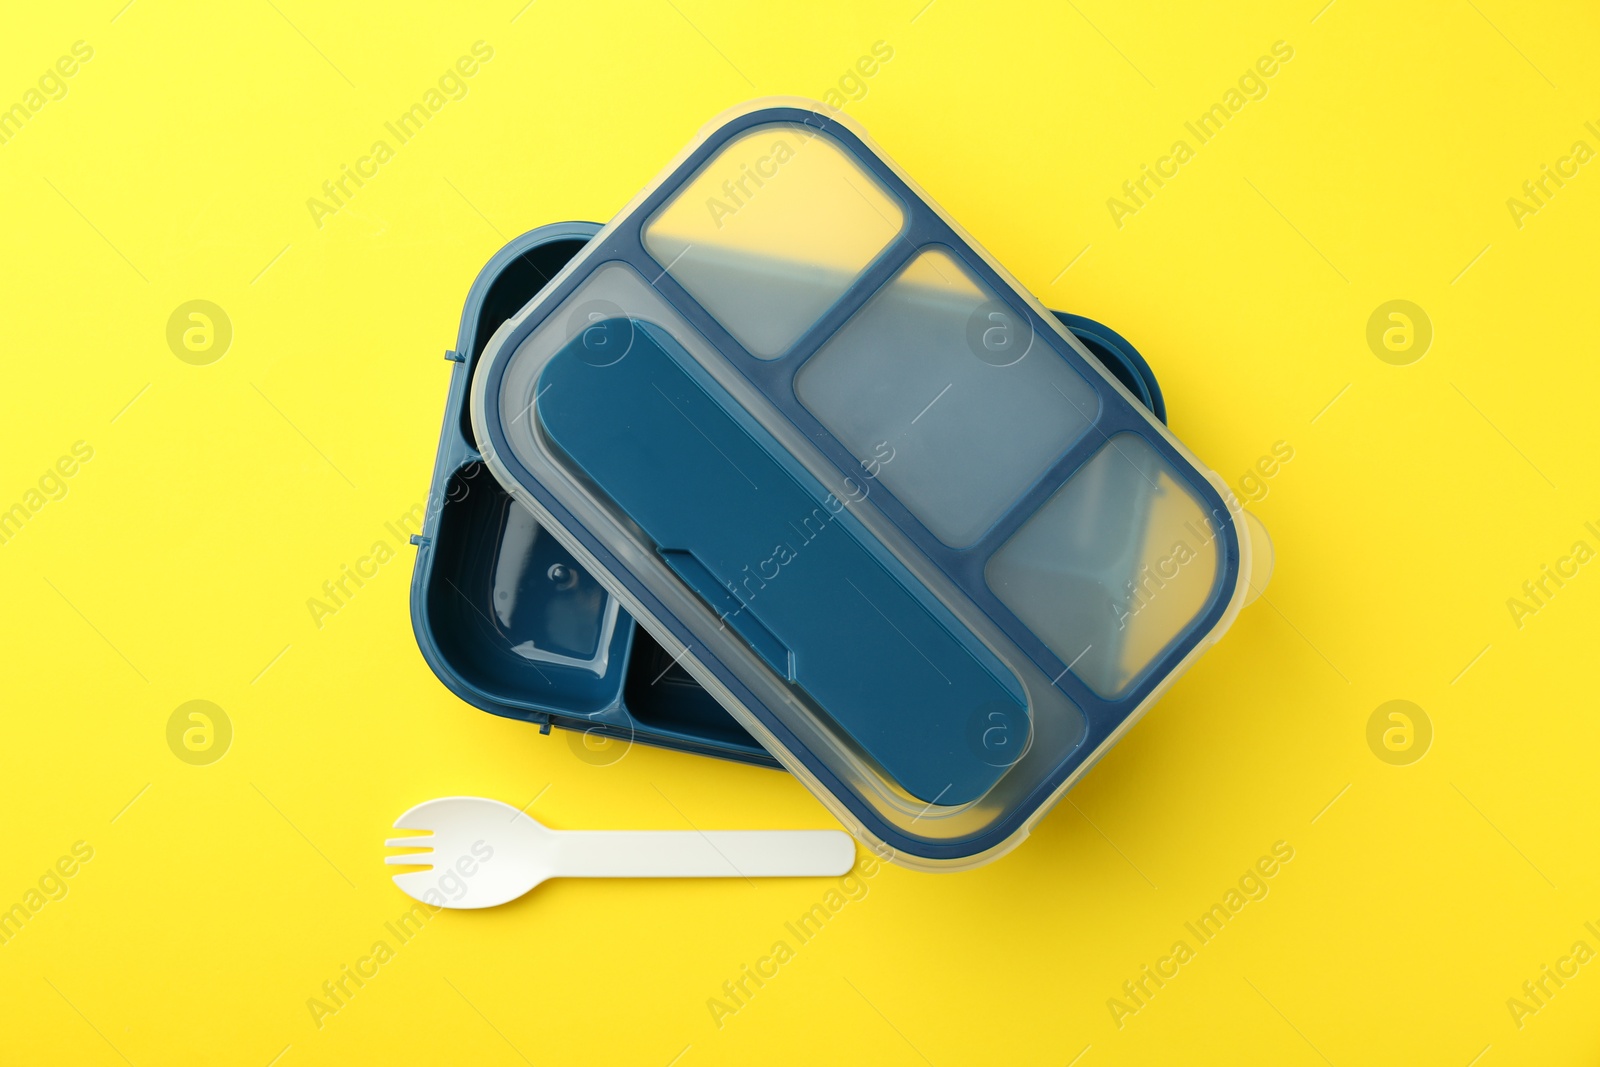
point(178, 565)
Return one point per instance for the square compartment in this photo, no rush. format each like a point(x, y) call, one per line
point(945, 389)
point(771, 231)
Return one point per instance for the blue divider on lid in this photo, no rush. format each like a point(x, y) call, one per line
point(783, 561)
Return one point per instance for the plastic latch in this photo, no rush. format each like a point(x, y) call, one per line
point(1261, 557)
point(418, 540)
point(453, 356)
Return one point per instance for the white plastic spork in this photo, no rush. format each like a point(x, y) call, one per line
point(483, 853)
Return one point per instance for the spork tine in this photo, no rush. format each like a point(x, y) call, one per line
point(483, 853)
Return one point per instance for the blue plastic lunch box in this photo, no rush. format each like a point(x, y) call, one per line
point(482, 591)
point(849, 476)
point(877, 500)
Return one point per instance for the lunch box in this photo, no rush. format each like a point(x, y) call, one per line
point(507, 635)
point(887, 510)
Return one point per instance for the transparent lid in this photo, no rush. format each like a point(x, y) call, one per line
point(877, 500)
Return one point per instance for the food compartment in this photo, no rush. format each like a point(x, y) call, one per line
point(663, 697)
point(1116, 564)
point(511, 610)
point(771, 232)
point(948, 394)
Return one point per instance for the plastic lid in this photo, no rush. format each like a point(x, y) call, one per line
point(877, 499)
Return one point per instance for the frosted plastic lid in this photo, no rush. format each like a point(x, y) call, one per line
point(872, 494)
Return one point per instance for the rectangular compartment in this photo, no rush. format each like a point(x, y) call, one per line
point(772, 232)
point(901, 373)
